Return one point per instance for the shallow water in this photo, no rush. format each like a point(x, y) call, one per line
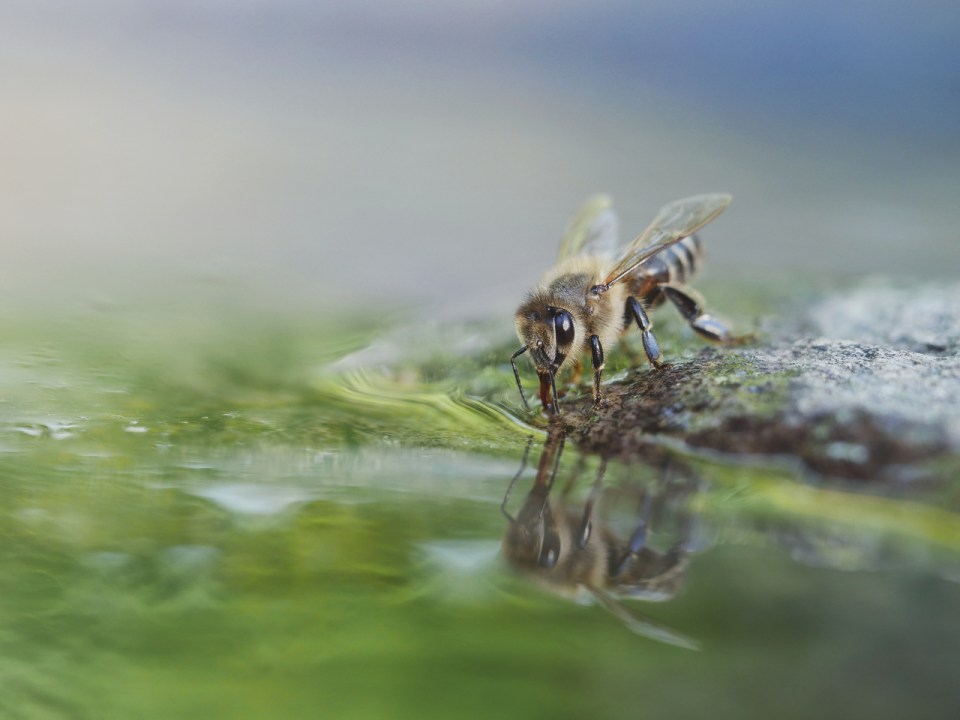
point(205, 520)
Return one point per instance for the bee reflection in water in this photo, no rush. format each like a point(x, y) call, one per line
point(572, 550)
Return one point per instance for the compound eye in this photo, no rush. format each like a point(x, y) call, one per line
point(563, 325)
point(550, 552)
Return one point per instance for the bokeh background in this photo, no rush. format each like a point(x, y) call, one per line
point(430, 152)
point(199, 519)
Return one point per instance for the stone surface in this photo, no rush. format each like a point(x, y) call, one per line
point(872, 393)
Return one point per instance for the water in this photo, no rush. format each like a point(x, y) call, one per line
point(239, 518)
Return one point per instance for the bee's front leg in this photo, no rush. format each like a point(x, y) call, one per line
point(596, 355)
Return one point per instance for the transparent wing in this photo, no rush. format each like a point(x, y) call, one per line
point(641, 624)
point(673, 223)
point(594, 228)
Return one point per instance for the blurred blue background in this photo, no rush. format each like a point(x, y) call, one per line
point(434, 150)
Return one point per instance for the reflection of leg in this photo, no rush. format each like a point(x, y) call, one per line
point(679, 494)
point(690, 305)
point(523, 466)
point(596, 357)
point(574, 476)
point(650, 345)
point(586, 524)
point(552, 451)
point(686, 542)
point(639, 537)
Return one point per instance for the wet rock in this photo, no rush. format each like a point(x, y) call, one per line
point(874, 394)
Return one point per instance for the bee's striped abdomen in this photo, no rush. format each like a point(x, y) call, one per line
point(682, 259)
point(676, 264)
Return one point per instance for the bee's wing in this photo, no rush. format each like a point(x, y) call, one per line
point(674, 222)
point(641, 624)
point(594, 228)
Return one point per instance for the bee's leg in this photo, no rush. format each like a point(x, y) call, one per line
point(596, 356)
point(523, 466)
point(586, 524)
point(650, 345)
point(639, 537)
point(574, 476)
point(690, 305)
point(516, 374)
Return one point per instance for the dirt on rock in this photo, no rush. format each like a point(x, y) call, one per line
point(873, 408)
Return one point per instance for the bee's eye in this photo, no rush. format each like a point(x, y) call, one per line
point(563, 325)
point(550, 552)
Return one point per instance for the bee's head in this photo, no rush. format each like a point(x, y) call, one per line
point(548, 332)
point(536, 547)
point(532, 540)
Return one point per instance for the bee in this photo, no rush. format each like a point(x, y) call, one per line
point(590, 298)
point(558, 548)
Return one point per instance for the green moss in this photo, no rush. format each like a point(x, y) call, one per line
point(729, 384)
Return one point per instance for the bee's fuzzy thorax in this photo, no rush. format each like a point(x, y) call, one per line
point(567, 287)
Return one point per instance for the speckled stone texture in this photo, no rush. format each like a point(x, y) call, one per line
point(872, 392)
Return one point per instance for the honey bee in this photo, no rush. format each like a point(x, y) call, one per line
point(588, 300)
point(559, 549)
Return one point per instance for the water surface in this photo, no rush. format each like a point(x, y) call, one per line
point(203, 519)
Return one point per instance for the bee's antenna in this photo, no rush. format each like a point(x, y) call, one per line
point(516, 374)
